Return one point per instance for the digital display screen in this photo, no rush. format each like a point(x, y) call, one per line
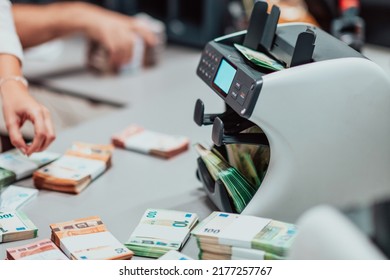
point(225, 76)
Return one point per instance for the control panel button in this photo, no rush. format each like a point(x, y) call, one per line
point(234, 94)
point(237, 85)
point(242, 96)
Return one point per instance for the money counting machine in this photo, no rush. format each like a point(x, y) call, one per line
point(325, 116)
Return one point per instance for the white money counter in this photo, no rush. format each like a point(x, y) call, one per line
point(160, 99)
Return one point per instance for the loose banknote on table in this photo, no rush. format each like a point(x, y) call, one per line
point(234, 236)
point(15, 166)
point(259, 58)
point(15, 225)
point(13, 197)
point(160, 231)
point(40, 250)
point(88, 239)
point(76, 169)
point(174, 255)
point(139, 139)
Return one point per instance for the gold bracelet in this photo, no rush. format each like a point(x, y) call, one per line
point(13, 78)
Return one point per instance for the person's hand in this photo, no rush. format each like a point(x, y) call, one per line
point(117, 33)
point(19, 107)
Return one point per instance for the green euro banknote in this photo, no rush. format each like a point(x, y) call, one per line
point(160, 231)
point(228, 252)
point(6, 178)
point(259, 58)
point(268, 235)
point(240, 190)
point(15, 225)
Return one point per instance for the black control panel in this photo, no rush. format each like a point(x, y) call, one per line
point(224, 70)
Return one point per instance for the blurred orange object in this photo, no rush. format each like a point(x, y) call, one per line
point(293, 11)
point(290, 10)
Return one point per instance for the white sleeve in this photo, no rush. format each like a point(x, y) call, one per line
point(9, 40)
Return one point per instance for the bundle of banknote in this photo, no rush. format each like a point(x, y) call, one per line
point(74, 171)
point(15, 225)
point(226, 252)
point(138, 139)
point(40, 250)
point(259, 58)
point(160, 231)
point(240, 190)
point(234, 236)
point(15, 166)
point(6, 178)
point(88, 239)
point(251, 160)
point(143, 55)
point(13, 197)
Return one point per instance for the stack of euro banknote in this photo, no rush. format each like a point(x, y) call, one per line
point(225, 236)
point(139, 139)
point(238, 187)
point(39, 250)
point(160, 231)
point(88, 239)
point(75, 170)
point(15, 225)
point(15, 166)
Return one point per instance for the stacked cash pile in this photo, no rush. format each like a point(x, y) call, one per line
point(138, 139)
point(251, 160)
point(6, 178)
point(223, 236)
point(160, 231)
point(41, 250)
point(88, 239)
point(15, 166)
point(15, 225)
point(240, 190)
point(73, 172)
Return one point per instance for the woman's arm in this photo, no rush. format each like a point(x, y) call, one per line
point(18, 105)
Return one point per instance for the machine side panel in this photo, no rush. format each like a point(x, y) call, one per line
point(328, 128)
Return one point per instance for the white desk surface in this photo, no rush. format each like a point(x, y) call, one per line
point(135, 181)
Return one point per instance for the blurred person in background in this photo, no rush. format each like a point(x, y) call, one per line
point(117, 33)
point(39, 23)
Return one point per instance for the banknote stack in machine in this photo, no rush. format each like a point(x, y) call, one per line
point(238, 187)
point(15, 225)
point(40, 250)
point(15, 166)
point(225, 236)
point(75, 170)
point(160, 231)
point(139, 139)
point(88, 239)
